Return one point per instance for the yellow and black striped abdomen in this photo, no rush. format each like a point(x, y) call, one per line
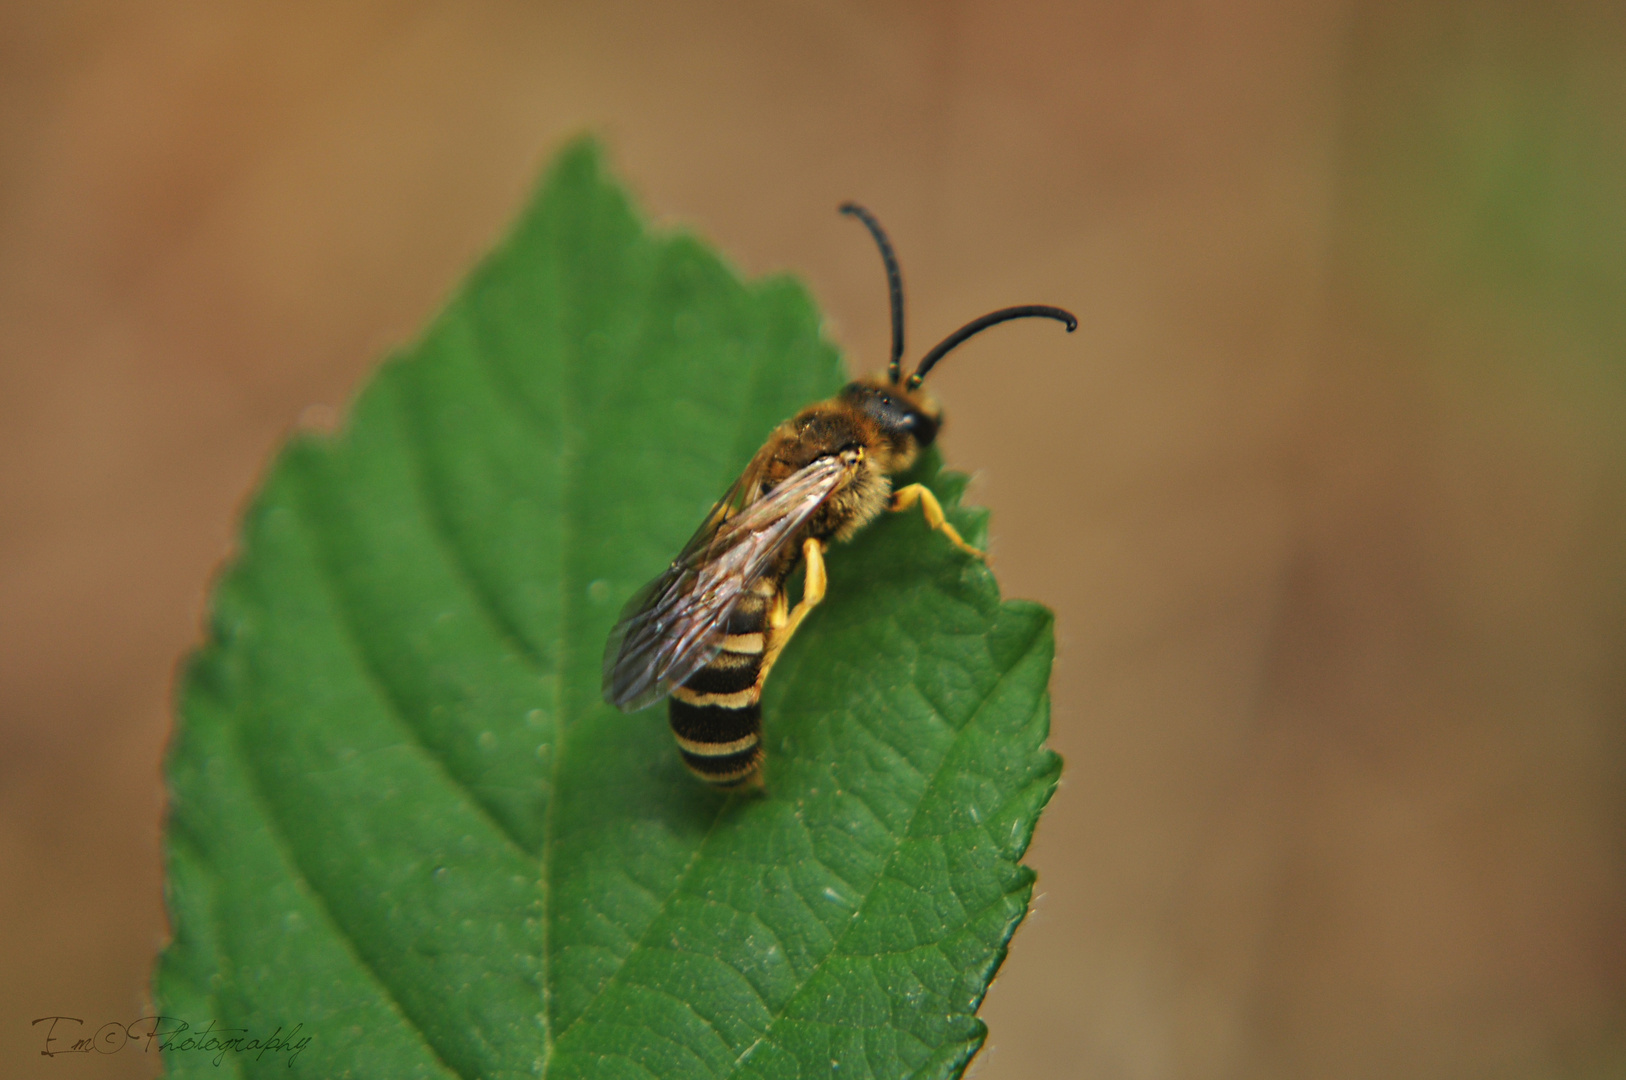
point(716, 714)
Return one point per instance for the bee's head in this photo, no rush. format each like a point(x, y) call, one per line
point(908, 419)
point(905, 412)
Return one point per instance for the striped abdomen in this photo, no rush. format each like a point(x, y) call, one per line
point(716, 713)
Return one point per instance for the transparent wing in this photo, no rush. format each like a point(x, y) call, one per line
point(674, 625)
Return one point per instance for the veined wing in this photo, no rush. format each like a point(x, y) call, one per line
point(674, 625)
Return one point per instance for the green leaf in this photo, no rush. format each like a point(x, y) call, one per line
point(404, 826)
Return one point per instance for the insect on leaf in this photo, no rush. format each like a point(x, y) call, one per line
point(404, 826)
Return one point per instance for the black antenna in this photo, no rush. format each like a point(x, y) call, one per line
point(894, 283)
point(977, 326)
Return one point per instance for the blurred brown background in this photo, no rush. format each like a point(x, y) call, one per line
point(1328, 491)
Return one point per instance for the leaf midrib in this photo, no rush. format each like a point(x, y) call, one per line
point(567, 488)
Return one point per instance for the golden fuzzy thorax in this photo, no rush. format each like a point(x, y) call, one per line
point(836, 426)
point(862, 499)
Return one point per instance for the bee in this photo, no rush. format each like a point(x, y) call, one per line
point(708, 630)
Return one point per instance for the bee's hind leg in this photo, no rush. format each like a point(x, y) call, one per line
point(904, 498)
point(812, 588)
point(783, 625)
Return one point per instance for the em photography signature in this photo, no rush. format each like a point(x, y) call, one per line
point(167, 1035)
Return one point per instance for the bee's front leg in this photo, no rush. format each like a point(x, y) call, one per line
point(904, 498)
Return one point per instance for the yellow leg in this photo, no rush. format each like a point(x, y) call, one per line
point(904, 498)
point(812, 593)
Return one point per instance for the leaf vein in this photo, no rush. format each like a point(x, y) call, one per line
point(687, 1005)
point(678, 950)
point(278, 834)
point(440, 527)
point(348, 622)
point(654, 922)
